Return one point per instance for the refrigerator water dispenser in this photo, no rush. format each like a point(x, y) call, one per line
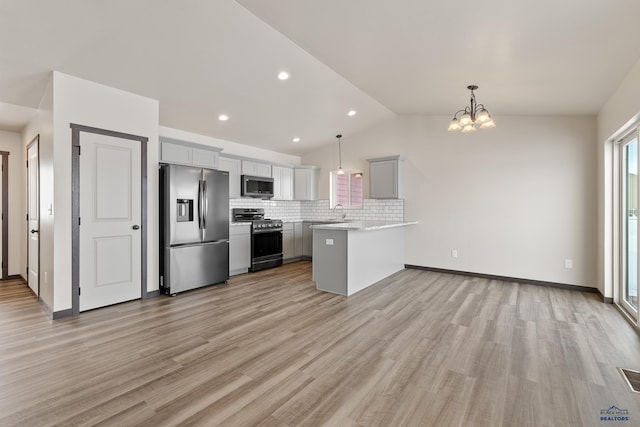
point(184, 209)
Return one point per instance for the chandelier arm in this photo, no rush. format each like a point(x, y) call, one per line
point(460, 111)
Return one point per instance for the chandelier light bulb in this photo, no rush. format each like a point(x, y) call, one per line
point(482, 117)
point(465, 120)
point(488, 125)
point(468, 128)
point(454, 125)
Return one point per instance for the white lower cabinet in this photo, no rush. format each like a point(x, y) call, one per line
point(307, 239)
point(288, 241)
point(297, 244)
point(291, 241)
point(239, 248)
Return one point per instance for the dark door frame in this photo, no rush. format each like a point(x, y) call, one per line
point(75, 207)
point(35, 140)
point(5, 214)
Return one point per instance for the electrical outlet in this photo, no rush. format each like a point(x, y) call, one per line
point(454, 253)
point(329, 242)
point(568, 263)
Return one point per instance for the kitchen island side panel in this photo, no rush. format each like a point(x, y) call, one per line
point(330, 260)
point(373, 255)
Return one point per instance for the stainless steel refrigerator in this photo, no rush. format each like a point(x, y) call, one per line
point(194, 227)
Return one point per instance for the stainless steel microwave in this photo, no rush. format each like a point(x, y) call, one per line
point(256, 186)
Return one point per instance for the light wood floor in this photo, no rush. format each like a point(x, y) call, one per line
point(418, 349)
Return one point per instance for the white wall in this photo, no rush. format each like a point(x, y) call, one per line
point(12, 143)
point(514, 201)
point(620, 111)
point(90, 104)
point(229, 147)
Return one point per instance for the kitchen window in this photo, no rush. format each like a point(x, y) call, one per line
point(346, 190)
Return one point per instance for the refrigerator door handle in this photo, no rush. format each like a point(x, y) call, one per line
point(205, 204)
point(200, 203)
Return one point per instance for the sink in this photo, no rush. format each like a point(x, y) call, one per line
point(334, 220)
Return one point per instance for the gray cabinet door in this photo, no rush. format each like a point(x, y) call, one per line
point(239, 249)
point(234, 167)
point(307, 239)
point(383, 179)
point(297, 244)
point(288, 243)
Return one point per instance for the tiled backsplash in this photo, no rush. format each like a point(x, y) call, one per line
point(378, 210)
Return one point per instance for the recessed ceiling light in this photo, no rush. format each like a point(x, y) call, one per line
point(352, 113)
point(283, 75)
point(223, 117)
point(296, 139)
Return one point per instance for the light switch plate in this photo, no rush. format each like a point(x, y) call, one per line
point(329, 242)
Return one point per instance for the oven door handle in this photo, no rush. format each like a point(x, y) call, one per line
point(266, 231)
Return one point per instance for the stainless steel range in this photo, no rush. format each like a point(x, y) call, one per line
point(266, 238)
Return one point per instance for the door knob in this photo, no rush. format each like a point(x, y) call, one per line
point(34, 231)
point(136, 227)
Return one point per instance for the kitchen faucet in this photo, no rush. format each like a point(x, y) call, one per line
point(343, 214)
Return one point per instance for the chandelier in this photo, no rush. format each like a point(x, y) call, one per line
point(473, 115)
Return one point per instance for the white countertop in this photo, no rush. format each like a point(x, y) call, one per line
point(363, 225)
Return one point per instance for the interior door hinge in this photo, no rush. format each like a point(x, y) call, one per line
point(79, 150)
point(78, 290)
point(78, 220)
point(27, 217)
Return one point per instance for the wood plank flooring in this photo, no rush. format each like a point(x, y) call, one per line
point(418, 349)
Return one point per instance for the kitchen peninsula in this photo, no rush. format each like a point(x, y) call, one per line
point(350, 256)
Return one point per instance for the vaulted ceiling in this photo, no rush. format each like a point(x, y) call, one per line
point(203, 58)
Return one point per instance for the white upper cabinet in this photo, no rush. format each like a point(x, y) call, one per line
point(282, 182)
point(252, 168)
point(234, 167)
point(385, 177)
point(305, 182)
point(188, 153)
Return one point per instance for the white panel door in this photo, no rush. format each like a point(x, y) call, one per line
point(110, 218)
point(33, 212)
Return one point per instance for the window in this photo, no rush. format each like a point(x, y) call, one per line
point(345, 189)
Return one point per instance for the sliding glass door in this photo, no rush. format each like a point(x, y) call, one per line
point(628, 292)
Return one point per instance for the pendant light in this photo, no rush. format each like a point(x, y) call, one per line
point(473, 115)
point(340, 170)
